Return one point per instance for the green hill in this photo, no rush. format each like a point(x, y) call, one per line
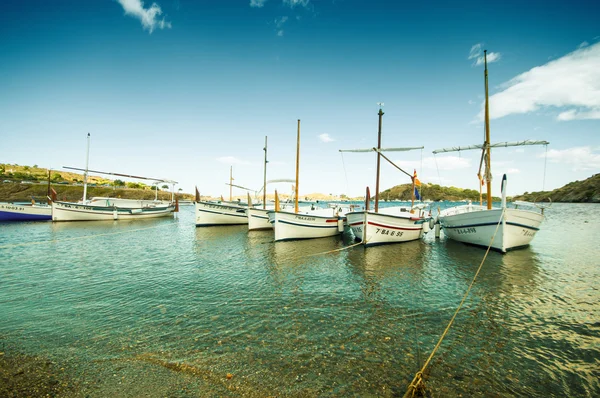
point(22, 183)
point(431, 192)
point(586, 191)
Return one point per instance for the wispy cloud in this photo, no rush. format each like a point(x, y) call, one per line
point(325, 138)
point(231, 160)
point(476, 53)
point(279, 22)
point(437, 163)
point(257, 3)
point(572, 81)
point(578, 158)
point(147, 16)
point(294, 3)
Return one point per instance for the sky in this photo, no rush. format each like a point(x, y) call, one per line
point(186, 89)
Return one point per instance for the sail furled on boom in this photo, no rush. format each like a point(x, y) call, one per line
point(496, 145)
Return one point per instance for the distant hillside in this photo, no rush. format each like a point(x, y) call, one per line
point(431, 192)
point(22, 183)
point(586, 191)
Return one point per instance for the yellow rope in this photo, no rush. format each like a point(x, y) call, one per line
point(417, 381)
point(77, 237)
point(335, 250)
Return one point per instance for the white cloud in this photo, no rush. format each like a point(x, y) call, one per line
point(572, 81)
point(578, 158)
point(280, 33)
point(325, 138)
point(584, 44)
point(294, 3)
point(148, 16)
point(476, 53)
point(520, 150)
point(279, 21)
point(231, 160)
point(257, 3)
point(471, 102)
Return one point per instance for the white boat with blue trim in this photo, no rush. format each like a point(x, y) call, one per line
point(306, 224)
point(503, 228)
point(25, 212)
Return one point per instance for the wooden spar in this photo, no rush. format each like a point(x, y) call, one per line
point(368, 200)
point(230, 183)
point(488, 171)
point(265, 177)
point(249, 200)
point(378, 161)
point(392, 163)
point(276, 201)
point(412, 203)
point(123, 175)
point(297, 168)
point(49, 171)
point(85, 173)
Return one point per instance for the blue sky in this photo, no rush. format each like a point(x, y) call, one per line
point(185, 89)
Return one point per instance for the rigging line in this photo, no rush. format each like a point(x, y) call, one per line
point(437, 168)
point(418, 379)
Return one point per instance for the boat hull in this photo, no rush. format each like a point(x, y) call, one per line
point(379, 229)
point(12, 212)
point(476, 225)
point(210, 214)
point(258, 219)
point(65, 211)
point(292, 226)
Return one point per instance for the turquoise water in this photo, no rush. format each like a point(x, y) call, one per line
point(162, 308)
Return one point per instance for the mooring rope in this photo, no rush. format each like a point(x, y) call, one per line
point(417, 381)
point(77, 237)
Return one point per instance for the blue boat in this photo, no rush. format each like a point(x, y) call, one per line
point(27, 212)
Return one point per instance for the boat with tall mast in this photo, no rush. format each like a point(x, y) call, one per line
point(221, 212)
point(390, 224)
point(502, 228)
point(257, 217)
point(105, 209)
point(306, 224)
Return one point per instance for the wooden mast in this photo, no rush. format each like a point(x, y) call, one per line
point(378, 161)
point(297, 168)
point(230, 183)
point(488, 169)
point(265, 177)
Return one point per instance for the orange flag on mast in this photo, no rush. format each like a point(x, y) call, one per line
point(417, 182)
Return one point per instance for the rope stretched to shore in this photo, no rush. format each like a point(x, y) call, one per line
point(78, 237)
point(417, 381)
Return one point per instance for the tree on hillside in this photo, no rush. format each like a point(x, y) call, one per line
point(118, 183)
point(165, 187)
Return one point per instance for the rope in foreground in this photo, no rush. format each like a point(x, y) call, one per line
point(417, 383)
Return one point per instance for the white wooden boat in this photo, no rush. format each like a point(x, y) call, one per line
point(477, 224)
point(309, 224)
point(67, 211)
point(387, 225)
point(105, 209)
point(25, 212)
point(215, 213)
point(318, 223)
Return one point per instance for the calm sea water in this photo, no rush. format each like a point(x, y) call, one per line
point(162, 308)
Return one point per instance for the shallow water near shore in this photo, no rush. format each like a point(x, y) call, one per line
point(162, 308)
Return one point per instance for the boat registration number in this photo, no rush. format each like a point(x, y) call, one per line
point(9, 207)
point(382, 231)
point(528, 233)
point(466, 231)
